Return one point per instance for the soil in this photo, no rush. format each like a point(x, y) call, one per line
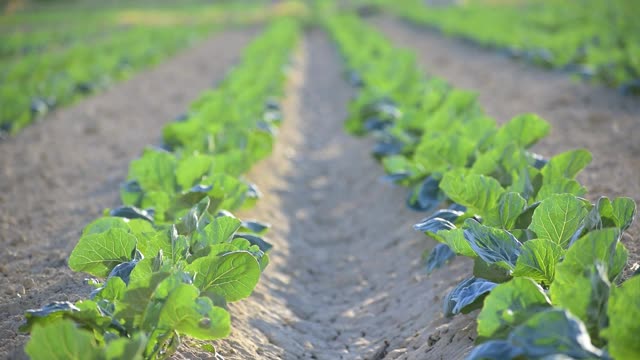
point(58, 175)
point(345, 279)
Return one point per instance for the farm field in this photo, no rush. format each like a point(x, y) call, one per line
point(89, 50)
point(263, 186)
point(596, 40)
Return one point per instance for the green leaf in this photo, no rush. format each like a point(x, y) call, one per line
point(97, 254)
point(583, 279)
point(105, 223)
point(510, 206)
point(585, 294)
point(135, 300)
point(229, 190)
point(177, 134)
point(624, 311)
point(155, 171)
point(551, 332)
point(538, 259)
point(509, 305)
point(140, 227)
point(191, 169)
point(174, 247)
point(598, 246)
point(467, 296)
point(495, 246)
point(219, 230)
point(600, 215)
point(524, 130)
point(232, 276)
point(487, 162)
point(141, 273)
point(150, 244)
point(62, 340)
point(159, 201)
point(84, 312)
point(47, 314)
point(566, 165)
point(113, 290)
point(456, 241)
point(194, 316)
point(259, 145)
point(524, 182)
point(215, 250)
point(131, 193)
point(491, 272)
point(623, 211)
point(195, 219)
point(605, 213)
point(254, 226)
point(397, 164)
point(440, 255)
point(560, 186)
point(179, 249)
point(125, 348)
point(557, 218)
point(440, 153)
point(478, 192)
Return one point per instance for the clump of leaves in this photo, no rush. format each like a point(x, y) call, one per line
point(156, 284)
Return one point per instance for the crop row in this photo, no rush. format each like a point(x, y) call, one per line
point(80, 57)
point(597, 39)
point(166, 263)
point(22, 43)
point(548, 264)
point(31, 85)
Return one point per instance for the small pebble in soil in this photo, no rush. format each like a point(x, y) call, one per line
point(397, 352)
point(28, 284)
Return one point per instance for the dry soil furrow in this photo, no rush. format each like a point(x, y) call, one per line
point(345, 280)
point(582, 116)
point(59, 174)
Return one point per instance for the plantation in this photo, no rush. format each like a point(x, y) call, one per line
point(318, 180)
point(596, 39)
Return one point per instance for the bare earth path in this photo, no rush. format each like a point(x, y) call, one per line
point(58, 175)
point(582, 116)
point(345, 281)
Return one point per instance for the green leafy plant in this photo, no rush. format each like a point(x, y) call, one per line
point(546, 260)
point(594, 39)
point(168, 271)
point(50, 59)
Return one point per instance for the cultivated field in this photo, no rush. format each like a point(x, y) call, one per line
point(319, 180)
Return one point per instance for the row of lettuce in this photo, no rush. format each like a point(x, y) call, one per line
point(548, 264)
point(596, 39)
point(58, 26)
point(16, 43)
point(63, 56)
point(166, 263)
point(32, 85)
